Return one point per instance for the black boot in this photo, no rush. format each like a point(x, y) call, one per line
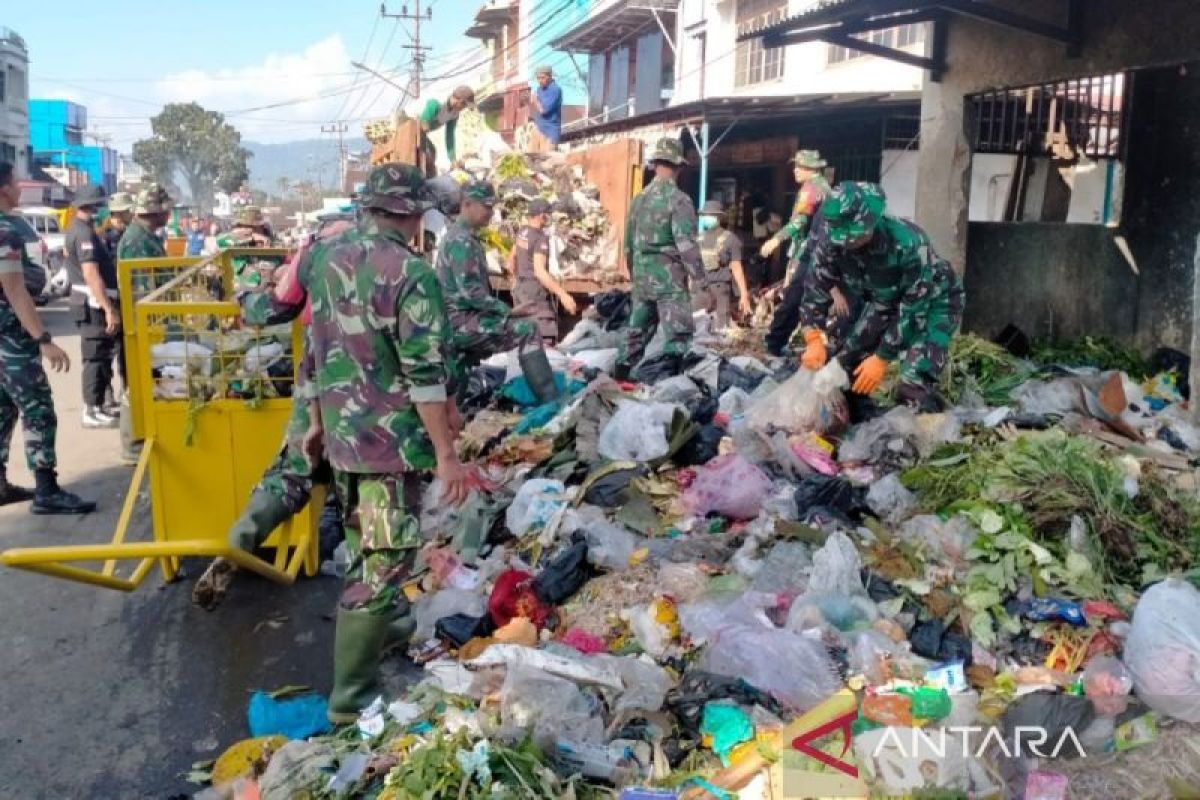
point(50, 498)
point(535, 366)
point(10, 493)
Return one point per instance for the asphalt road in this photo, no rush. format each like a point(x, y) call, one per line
point(113, 695)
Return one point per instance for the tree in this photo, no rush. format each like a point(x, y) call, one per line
point(283, 184)
point(197, 143)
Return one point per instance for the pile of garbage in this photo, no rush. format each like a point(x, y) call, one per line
point(582, 238)
point(712, 582)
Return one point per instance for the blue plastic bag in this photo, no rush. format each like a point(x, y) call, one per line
point(293, 717)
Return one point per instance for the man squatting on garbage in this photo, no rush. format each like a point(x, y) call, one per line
point(481, 323)
point(661, 251)
point(380, 362)
point(912, 299)
point(287, 484)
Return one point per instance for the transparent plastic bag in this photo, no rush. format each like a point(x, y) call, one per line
point(533, 702)
point(537, 502)
point(1163, 649)
point(1107, 683)
point(784, 570)
point(636, 432)
point(796, 670)
point(837, 567)
point(431, 607)
point(730, 486)
point(807, 401)
point(610, 545)
point(889, 500)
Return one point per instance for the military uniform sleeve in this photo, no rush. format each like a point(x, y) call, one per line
point(633, 211)
point(262, 306)
point(916, 275)
point(823, 276)
point(683, 231)
point(464, 286)
point(12, 248)
point(422, 333)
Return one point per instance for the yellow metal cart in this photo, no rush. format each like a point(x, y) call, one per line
point(212, 418)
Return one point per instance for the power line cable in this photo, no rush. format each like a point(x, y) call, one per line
point(357, 77)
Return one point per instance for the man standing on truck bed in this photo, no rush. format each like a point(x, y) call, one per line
point(444, 114)
point(661, 251)
point(93, 272)
point(547, 107)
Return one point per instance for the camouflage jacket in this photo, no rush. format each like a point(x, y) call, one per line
point(15, 239)
point(662, 222)
point(379, 344)
point(894, 276)
point(462, 269)
point(138, 241)
point(808, 200)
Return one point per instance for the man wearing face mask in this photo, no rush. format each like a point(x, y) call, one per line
point(912, 299)
point(721, 251)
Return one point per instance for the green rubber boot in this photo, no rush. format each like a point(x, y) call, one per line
point(357, 647)
point(264, 513)
point(535, 366)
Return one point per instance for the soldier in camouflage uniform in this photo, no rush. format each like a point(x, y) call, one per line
point(120, 214)
point(287, 484)
point(250, 229)
point(661, 251)
point(380, 363)
point(912, 299)
point(813, 189)
point(151, 209)
point(24, 389)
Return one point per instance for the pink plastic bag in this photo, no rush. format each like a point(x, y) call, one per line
point(729, 485)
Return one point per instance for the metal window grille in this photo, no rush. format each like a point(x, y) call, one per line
point(1063, 119)
point(755, 63)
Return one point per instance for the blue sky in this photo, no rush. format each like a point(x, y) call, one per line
point(123, 60)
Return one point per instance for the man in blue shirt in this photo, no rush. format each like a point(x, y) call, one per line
point(547, 106)
point(195, 237)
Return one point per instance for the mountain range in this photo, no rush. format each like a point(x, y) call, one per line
point(314, 160)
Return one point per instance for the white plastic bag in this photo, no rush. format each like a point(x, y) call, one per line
point(604, 359)
point(678, 389)
point(837, 567)
point(795, 669)
point(729, 485)
point(609, 545)
point(430, 608)
point(890, 500)
point(807, 401)
point(536, 504)
point(1163, 649)
point(636, 432)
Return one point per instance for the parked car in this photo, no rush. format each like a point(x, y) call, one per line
point(49, 251)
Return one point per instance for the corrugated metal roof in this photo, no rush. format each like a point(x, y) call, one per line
point(614, 23)
point(829, 11)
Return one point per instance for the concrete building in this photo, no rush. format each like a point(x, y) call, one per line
point(57, 132)
point(14, 94)
point(1058, 162)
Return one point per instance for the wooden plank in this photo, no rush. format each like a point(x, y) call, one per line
point(609, 167)
point(404, 146)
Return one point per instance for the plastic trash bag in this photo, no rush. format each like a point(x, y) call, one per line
point(1163, 649)
point(612, 307)
point(533, 702)
point(1107, 682)
point(646, 683)
point(837, 567)
point(565, 575)
point(537, 502)
point(655, 369)
point(636, 432)
point(807, 401)
point(950, 537)
point(1048, 398)
point(679, 389)
point(458, 629)
point(430, 608)
point(610, 545)
point(843, 611)
point(603, 359)
point(792, 668)
point(889, 500)
point(826, 492)
point(730, 375)
point(784, 569)
point(730, 486)
point(734, 403)
point(701, 448)
point(702, 409)
point(293, 717)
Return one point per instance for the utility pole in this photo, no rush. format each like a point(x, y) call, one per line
point(416, 46)
point(340, 129)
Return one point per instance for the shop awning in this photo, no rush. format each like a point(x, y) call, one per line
point(614, 23)
point(840, 21)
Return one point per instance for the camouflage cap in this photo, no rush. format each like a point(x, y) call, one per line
point(249, 217)
point(398, 189)
point(480, 192)
point(538, 205)
point(120, 201)
point(152, 200)
point(852, 212)
point(668, 150)
point(809, 159)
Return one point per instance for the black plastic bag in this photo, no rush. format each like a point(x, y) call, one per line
point(1049, 715)
point(481, 386)
point(730, 375)
point(701, 448)
point(609, 491)
point(702, 408)
point(613, 307)
point(658, 368)
point(1166, 359)
point(458, 629)
point(832, 493)
point(565, 575)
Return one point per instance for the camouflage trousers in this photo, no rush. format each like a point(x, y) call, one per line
point(927, 333)
point(381, 516)
point(25, 393)
point(660, 297)
point(290, 477)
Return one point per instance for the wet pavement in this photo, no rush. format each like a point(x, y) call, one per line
point(114, 695)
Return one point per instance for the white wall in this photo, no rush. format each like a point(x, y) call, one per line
point(899, 181)
point(806, 67)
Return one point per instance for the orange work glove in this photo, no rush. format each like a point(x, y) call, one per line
point(815, 355)
point(869, 375)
